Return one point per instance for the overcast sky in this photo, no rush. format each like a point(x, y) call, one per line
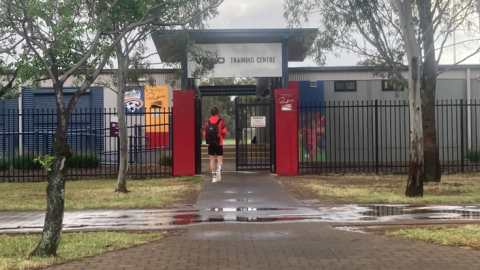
point(245, 14)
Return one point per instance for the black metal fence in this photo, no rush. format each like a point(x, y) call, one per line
point(255, 135)
point(92, 134)
point(374, 136)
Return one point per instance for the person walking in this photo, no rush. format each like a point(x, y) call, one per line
point(214, 133)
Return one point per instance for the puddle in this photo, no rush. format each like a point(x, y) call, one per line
point(423, 211)
point(248, 209)
point(311, 202)
point(352, 229)
point(239, 200)
point(193, 219)
point(173, 211)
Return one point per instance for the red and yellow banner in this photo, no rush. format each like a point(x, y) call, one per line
point(156, 103)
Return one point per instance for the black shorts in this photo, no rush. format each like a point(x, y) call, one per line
point(215, 150)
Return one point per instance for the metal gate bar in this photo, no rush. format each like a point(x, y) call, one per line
point(253, 144)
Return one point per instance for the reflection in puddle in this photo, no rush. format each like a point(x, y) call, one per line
point(311, 202)
point(239, 200)
point(423, 211)
point(352, 229)
point(173, 211)
point(248, 209)
point(192, 219)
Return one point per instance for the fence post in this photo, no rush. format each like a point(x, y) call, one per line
point(4, 145)
point(36, 143)
point(130, 150)
point(376, 138)
point(118, 154)
point(462, 151)
point(89, 139)
point(45, 144)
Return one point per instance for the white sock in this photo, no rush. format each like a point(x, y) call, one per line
point(219, 168)
point(214, 175)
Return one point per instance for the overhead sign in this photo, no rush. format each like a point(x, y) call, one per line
point(258, 121)
point(243, 60)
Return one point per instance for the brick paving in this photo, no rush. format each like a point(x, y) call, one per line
point(274, 245)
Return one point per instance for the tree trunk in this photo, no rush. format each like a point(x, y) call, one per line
point(122, 122)
point(428, 86)
point(52, 229)
point(415, 174)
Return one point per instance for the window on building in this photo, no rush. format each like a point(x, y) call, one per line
point(387, 86)
point(345, 86)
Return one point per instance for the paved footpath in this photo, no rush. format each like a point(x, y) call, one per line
point(276, 244)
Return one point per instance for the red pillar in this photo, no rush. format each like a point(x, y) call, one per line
point(286, 103)
point(183, 132)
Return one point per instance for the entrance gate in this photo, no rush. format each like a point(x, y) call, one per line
point(255, 135)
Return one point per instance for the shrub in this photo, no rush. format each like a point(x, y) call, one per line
point(165, 161)
point(84, 160)
point(473, 155)
point(4, 164)
point(25, 162)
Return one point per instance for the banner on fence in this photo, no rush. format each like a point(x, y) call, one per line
point(133, 99)
point(156, 103)
point(311, 122)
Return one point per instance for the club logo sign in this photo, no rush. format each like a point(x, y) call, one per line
point(133, 100)
point(286, 102)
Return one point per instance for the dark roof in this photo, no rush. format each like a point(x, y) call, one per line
point(297, 47)
point(228, 90)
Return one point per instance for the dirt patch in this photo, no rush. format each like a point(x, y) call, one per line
point(298, 187)
point(384, 229)
point(349, 188)
point(190, 197)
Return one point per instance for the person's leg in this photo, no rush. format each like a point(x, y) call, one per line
point(211, 152)
point(219, 152)
point(212, 163)
point(220, 161)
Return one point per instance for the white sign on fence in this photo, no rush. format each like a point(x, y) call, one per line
point(258, 121)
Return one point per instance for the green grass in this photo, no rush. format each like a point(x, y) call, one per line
point(229, 141)
point(100, 194)
point(14, 249)
point(462, 236)
point(385, 189)
point(225, 141)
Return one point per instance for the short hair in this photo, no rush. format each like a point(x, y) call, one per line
point(214, 110)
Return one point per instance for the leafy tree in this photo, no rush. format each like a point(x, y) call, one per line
point(132, 61)
point(66, 39)
point(9, 44)
point(375, 30)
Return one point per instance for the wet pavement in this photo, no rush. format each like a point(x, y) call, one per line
point(243, 198)
point(248, 221)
